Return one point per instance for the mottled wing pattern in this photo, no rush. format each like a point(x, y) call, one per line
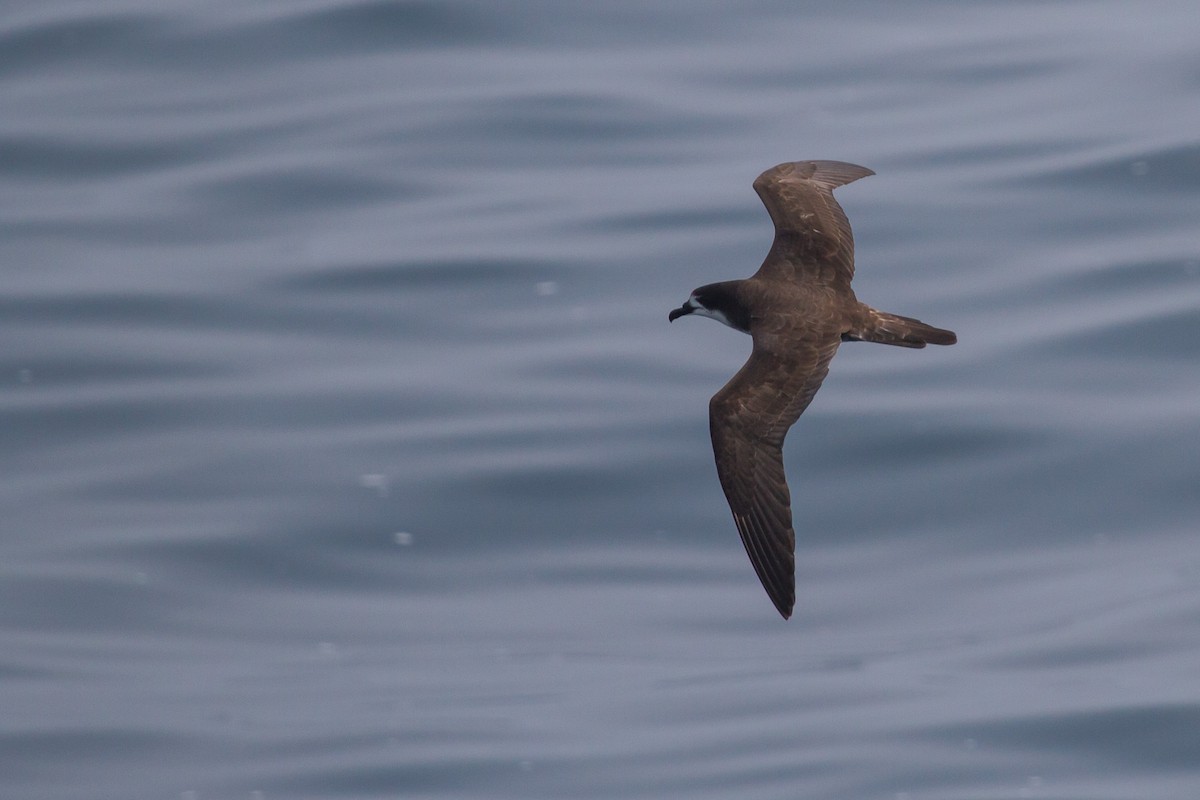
point(748, 420)
point(812, 234)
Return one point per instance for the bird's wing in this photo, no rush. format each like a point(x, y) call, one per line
point(812, 234)
point(748, 420)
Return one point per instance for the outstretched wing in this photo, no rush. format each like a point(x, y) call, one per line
point(748, 420)
point(812, 234)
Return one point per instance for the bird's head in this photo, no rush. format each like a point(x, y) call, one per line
point(718, 301)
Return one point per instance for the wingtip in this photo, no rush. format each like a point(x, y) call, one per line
point(830, 173)
point(839, 173)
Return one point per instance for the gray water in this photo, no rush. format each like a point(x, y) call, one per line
point(346, 451)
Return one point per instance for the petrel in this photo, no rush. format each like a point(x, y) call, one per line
point(797, 308)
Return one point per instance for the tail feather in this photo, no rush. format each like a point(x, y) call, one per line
point(885, 328)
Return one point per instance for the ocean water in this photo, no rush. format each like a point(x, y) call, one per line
point(346, 450)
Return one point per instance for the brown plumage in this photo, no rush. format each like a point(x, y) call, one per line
point(798, 308)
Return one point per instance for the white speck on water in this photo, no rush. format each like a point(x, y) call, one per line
point(1139, 168)
point(403, 538)
point(25, 376)
point(546, 288)
point(377, 481)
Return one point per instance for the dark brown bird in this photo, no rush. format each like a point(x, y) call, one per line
point(798, 308)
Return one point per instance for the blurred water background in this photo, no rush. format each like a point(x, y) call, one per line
point(346, 451)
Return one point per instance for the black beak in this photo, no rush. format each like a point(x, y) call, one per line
point(676, 313)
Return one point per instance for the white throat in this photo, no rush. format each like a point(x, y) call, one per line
point(701, 311)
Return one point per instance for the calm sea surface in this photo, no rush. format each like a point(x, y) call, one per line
point(346, 451)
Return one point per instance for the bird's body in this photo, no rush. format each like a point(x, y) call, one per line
point(798, 308)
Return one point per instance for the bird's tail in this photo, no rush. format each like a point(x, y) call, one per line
point(885, 328)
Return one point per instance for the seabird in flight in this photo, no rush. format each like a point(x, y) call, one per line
point(798, 308)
